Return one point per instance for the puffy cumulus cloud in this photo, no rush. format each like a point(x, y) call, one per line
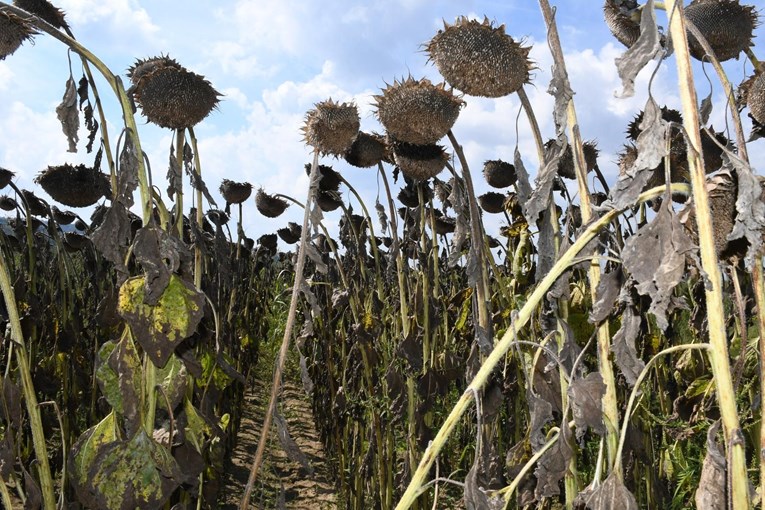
point(235, 59)
point(125, 14)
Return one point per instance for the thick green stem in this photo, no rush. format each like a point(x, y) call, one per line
point(718, 352)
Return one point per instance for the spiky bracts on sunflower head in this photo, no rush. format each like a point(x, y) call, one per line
point(170, 95)
point(13, 32)
point(727, 26)
point(480, 59)
point(754, 97)
point(331, 127)
point(417, 111)
point(44, 10)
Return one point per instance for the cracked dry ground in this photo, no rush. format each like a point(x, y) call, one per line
point(281, 482)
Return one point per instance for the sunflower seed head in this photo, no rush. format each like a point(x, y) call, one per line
point(331, 127)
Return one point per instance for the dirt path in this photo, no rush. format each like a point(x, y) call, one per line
point(282, 483)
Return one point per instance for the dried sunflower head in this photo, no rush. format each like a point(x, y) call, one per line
point(5, 177)
point(366, 150)
point(416, 111)
point(268, 205)
point(480, 59)
point(43, 10)
point(492, 202)
point(727, 26)
point(622, 18)
point(445, 225)
point(7, 203)
point(722, 189)
point(409, 195)
point(74, 186)
point(755, 98)
point(170, 95)
point(566, 164)
point(36, 206)
point(499, 174)
point(329, 179)
point(13, 32)
point(291, 233)
point(331, 127)
point(267, 242)
point(63, 217)
point(235, 192)
point(419, 162)
point(328, 201)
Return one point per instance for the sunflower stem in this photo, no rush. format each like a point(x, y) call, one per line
point(718, 352)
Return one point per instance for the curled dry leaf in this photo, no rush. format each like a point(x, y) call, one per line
point(289, 445)
point(639, 54)
point(655, 258)
point(586, 396)
point(623, 346)
point(68, 114)
point(711, 492)
point(609, 495)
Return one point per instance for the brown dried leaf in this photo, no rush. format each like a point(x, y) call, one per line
point(476, 498)
point(174, 175)
point(112, 236)
point(552, 466)
point(606, 295)
point(711, 492)
point(542, 194)
point(68, 114)
point(127, 178)
point(623, 346)
point(655, 258)
point(541, 413)
point(586, 397)
point(750, 208)
point(610, 495)
point(651, 148)
point(639, 54)
point(289, 445)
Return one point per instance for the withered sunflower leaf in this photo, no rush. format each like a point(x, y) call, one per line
point(195, 178)
point(623, 346)
point(289, 445)
point(305, 377)
point(542, 194)
point(161, 327)
point(313, 253)
point(705, 110)
point(459, 202)
point(137, 473)
point(476, 498)
point(541, 413)
point(11, 395)
point(68, 114)
point(83, 454)
point(560, 89)
point(305, 289)
point(711, 492)
point(639, 54)
point(523, 184)
point(411, 350)
point(606, 294)
point(127, 178)
point(33, 492)
point(552, 466)
point(611, 494)
point(172, 379)
point(174, 175)
point(382, 216)
point(112, 236)
point(82, 91)
point(586, 395)
point(750, 208)
point(146, 247)
point(118, 372)
point(651, 150)
point(7, 457)
point(655, 258)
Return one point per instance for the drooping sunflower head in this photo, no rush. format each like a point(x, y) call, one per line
point(170, 95)
point(13, 32)
point(480, 59)
point(331, 127)
point(417, 111)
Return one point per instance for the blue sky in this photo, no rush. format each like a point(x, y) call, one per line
point(273, 59)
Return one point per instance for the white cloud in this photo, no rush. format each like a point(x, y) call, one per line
point(6, 75)
point(126, 15)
